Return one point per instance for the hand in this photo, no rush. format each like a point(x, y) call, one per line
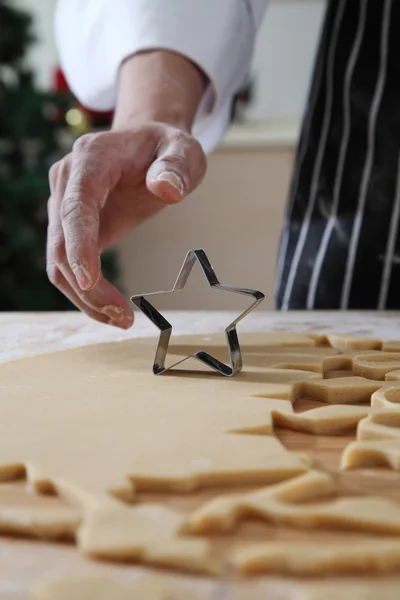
point(109, 184)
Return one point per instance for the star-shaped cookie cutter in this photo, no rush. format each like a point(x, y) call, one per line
point(165, 327)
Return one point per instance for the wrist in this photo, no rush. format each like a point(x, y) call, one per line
point(136, 116)
point(158, 86)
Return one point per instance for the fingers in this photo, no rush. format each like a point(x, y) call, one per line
point(83, 195)
point(103, 302)
point(111, 167)
point(92, 303)
point(60, 282)
point(179, 168)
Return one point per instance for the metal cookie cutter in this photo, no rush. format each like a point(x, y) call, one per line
point(165, 328)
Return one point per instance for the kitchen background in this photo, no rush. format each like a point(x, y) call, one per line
point(236, 213)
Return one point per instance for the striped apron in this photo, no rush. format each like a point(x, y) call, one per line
point(340, 247)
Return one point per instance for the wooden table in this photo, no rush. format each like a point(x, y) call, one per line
point(22, 562)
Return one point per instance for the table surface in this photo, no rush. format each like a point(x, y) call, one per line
point(26, 334)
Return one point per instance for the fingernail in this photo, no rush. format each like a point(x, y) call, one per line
point(173, 179)
point(125, 324)
point(115, 313)
point(82, 276)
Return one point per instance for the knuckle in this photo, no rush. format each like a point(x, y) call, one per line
point(70, 208)
point(83, 143)
point(173, 161)
point(87, 142)
point(78, 212)
point(180, 136)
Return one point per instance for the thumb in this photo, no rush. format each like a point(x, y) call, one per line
point(178, 169)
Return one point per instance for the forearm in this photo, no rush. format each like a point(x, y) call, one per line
point(159, 86)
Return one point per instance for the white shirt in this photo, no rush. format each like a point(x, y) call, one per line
point(94, 36)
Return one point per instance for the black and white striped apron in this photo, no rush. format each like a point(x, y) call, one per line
point(340, 247)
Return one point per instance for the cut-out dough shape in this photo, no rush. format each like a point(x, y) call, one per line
point(145, 533)
point(324, 420)
point(321, 339)
point(41, 523)
point(342, 361)
point(361, 455)
point(33, 516)
point(303, 558)
point(94, 421)
point(341, 390)
point(148, 533)
point(391, 346)
point(393, 376)
point(381, 425)
point(376, 365)
point(349, 342)
point(386, 397)
point(280, 504)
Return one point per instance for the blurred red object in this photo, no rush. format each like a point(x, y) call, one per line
point(59, 82)
point(96, 118)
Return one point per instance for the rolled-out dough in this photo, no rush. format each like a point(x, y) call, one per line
point(29, 515)
point(302, 558)
point(381, 425)
point(391, 345)
point(393, 375)
point(387, 397)
point(341, 390)
point(349, 342)
point(377, 365)
point(367, 454)
point(284, 504)
point(324, 420)
point(147, 533)
point(341, 361)
point(95, 425)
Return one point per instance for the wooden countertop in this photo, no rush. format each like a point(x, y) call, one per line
point(22, 334)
